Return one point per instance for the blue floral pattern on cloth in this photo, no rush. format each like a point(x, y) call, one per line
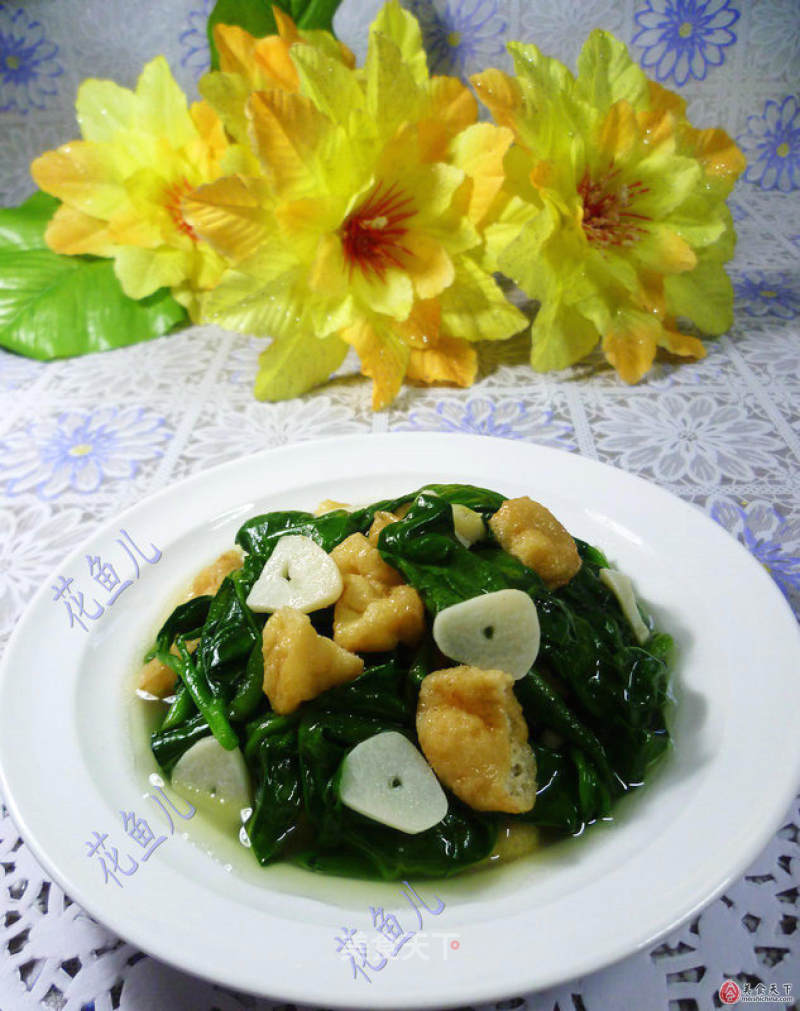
point(771, 144)
point(463, 36)
point(196, 55)
point(79, 450)
point(28, 64)
point(684, 38)
point(504, 419)
point(770, 537)
point(762, 294)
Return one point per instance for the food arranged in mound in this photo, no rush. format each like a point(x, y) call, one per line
point(385, 690)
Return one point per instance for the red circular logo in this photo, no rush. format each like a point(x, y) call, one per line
point(730, 992)
point(455, 945)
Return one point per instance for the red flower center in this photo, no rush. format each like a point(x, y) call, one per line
point(607, 217)
point(372, 235)
point(172, 201)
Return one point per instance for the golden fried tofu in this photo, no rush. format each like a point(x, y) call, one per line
point(472, 731)
point(299, 663)
point(209, 579)
point(531, 533)
point(329, 505)
point(157, 678)
point(376, 610)
point(380, 520)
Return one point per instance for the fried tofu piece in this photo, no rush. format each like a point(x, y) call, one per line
point(531, 533)
point(376, 610)
point(157, 678)
point(380, 520)
point(472, 731)
point(300, 664)
point(209, 579)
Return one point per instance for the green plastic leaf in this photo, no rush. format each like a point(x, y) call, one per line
point(54, 306)
point(294, 364)
point(256, 17)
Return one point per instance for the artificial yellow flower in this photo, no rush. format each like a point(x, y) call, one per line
point(613, 215)
point(249, 64)
point(364, 227)
point(122, 185)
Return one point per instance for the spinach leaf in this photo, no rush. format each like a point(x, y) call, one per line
point(259, 535)
point(423, 546)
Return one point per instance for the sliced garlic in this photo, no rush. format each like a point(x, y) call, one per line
point(622, 588)
point(298, 574)
point(468, 525)
point(213, 779)
point(387, 779)
point(494, 631)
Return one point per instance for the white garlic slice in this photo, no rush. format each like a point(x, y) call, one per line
point(213, 779)
point(468, 525)
point(297, 574)
point(494, 631)
point(387, 779)
point(621, 586)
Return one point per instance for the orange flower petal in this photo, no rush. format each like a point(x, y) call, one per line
point(289, 136)
point(452, 360)
point(630, 345)
point(71, 231)
point(229, 214)
point(383, 357)
point(501, 93)
point(421, 329)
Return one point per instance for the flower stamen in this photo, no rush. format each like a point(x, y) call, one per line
point(607, 218)
point(372, 234)
point(173, 195)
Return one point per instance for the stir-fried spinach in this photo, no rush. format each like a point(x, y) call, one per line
point(594, 700)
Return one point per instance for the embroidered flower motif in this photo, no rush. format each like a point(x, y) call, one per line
point(194, 40)
point(761, 294)
point(773, 44)
point(504, 419)
point(464, 36)
point(771, 144)
point(696, 439)
point(683, 38)
point(773, 539)
point(79, 450)
point(32, 541)
point(234, 433)
point(28, 64)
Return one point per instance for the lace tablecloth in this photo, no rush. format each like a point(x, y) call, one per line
point(82, 439)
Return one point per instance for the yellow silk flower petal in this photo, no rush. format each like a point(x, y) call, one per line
point(88, 176)
point(230, 214)
point(480, 151)
point(72, 232)
point(383, 356)
point(451, 360)
point(501, 94)
point(293, 140)
point(404, 31)
point(393, 95)
point(162, 105)
point(143, 271)
point(428, 265)
point(104, 108)
point(631, 342)
point(475, 308)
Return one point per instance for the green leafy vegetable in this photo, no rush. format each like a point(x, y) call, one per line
point(594, 701)
point(257, 18)
point(53, 306)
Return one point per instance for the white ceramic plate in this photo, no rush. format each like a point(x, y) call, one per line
point(74, 779)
